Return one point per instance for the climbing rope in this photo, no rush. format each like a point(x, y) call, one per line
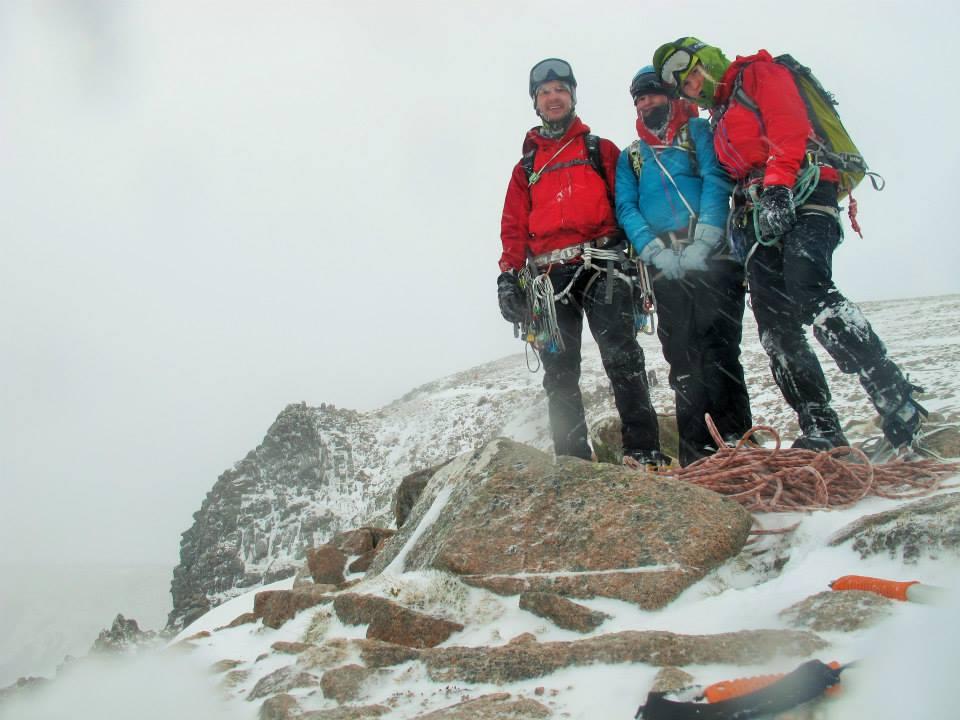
point(542, 332)
point(794, 479)
point(802, 190)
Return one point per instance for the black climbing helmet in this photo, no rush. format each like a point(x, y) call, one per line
point(646, 82)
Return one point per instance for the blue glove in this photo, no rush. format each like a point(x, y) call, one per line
point(777, 213)
point(655, 253)
point(706, 239)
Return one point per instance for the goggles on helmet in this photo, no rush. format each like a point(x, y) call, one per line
point(677, 66)
point(550, 69)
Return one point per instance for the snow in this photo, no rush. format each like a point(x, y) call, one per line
point(914, 647)
point(397, 565)
point(906, 665)
point(223, 614)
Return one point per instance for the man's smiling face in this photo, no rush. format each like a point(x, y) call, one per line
point(554, 102)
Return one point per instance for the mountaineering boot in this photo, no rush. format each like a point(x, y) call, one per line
point(820, 429)
point(645, 459)
point(901, 426)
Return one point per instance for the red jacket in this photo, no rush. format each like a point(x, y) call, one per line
point(569, 204)
point(778, 145)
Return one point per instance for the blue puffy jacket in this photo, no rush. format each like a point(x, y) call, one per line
point(650, 205)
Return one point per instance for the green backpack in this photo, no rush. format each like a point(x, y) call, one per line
point(832, 144)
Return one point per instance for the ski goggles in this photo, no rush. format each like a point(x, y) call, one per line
point(550, 69)
point(677, 66)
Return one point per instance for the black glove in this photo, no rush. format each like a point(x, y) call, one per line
point(513, 303)
point(777, 213)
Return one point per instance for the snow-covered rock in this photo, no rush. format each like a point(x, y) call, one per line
point(322, 470)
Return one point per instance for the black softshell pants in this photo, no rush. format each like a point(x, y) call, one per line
point(612, 326)
point(700, 328)
point(791, 285)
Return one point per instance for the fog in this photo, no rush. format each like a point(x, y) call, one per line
point(150, 686)
point(211, 210)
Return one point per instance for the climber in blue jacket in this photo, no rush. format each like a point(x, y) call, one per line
point(672, 200)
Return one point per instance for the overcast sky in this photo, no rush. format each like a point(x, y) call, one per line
point(212, 209)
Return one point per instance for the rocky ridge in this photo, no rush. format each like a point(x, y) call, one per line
point(423, 619)
point(323, 470)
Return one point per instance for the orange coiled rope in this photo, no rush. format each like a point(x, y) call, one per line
point(794, 479)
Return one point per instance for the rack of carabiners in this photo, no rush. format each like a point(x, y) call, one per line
point(541, 332)
point(644, 301)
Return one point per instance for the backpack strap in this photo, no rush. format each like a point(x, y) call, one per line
point(636, 158)
point(527, 163)
point(593, 155)
point(686, 141)
point(594, 160)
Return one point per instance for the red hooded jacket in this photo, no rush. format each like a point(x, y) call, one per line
point(569, 204)
point(778, 145)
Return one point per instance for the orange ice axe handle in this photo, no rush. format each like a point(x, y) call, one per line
point(911, 590)
point(727, 689)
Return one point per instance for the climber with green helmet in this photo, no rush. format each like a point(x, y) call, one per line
point(764, 138)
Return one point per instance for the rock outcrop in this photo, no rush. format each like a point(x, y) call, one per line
point(926, 528)
point(302, 484)
point(321, 470)
point(510, 519)
point(122, 636)
point(390, 622)
point(838, 611)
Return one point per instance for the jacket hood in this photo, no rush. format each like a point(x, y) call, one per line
point(725, 86)
point(681, 111)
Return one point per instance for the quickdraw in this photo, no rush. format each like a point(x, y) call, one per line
point(541, 331)
point(644, 306)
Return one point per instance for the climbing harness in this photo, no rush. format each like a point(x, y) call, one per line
point(802, 189)
point(605, 255)
point(748, 212)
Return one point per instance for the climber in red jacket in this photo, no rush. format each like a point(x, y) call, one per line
point(558, 217)
point(764, 138)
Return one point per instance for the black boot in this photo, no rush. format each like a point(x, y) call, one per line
point(820, 427)
point(645, 459)
point(901, 426)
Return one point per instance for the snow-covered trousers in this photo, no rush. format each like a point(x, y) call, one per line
point(700, 327)
point(791, 285)
point(612, 326)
